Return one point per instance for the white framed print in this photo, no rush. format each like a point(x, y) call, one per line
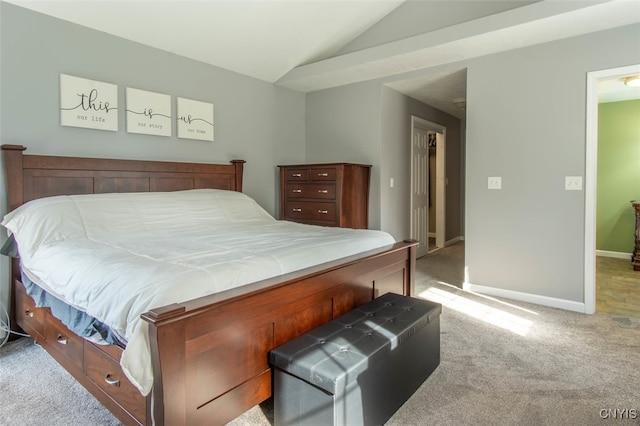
point(88, 103)
point(195, 119)
point(148, 113)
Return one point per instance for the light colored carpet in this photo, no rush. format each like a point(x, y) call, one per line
point(502, 363)
point(35, 390)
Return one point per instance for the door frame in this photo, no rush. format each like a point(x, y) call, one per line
point(441, 188)
point(591, 178)
point(421, 123)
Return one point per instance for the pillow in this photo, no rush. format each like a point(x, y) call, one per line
point(43, 221)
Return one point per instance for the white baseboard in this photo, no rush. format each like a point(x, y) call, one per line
point(615, 254)
point(454, 240)
point(552, 302)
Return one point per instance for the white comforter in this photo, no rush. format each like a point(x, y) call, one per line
point(116, 256)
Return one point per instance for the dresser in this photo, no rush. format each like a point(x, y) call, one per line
point(331, 194)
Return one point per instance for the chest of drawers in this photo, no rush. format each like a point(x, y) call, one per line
point(332, 194)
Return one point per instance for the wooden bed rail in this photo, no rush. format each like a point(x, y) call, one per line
point(210, 355)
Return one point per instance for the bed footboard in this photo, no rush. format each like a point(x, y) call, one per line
point(210, 355)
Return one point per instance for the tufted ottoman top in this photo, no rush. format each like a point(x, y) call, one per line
point(333, 355)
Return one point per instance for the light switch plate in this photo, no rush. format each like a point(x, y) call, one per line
point(573, 183)
point(494, 182)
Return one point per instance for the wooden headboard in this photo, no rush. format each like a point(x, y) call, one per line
point(35, 176)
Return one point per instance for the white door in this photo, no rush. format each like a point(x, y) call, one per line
point(419, 196)
point(419, 189)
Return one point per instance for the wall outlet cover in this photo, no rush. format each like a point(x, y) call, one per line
point(494, 182)
point(573, 183)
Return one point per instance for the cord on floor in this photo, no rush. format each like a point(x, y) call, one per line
point(5, 326)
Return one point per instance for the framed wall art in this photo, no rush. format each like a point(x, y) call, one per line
point(195, 119)
point(88, 103)
point(148, 112)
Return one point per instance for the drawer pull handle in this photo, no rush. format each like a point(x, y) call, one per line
point(296, 174)
point(61, 339)
point(297, 210)
point(28, 313)
point(110, 381)
point(323, 191)
point(323, 174)
point(323, 211)
point(297, 191)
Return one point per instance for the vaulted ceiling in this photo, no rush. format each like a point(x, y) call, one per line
point(310, 45)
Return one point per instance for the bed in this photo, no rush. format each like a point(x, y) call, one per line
point(208, 354)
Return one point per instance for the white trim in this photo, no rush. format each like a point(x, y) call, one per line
point(421, 123)
point(614, 254)
point(454, 240)
point(590, 197)
point(591, 178)
point(441, 188)
point(552, 302)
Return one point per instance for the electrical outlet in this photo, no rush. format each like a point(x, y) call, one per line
point(573, 183)
point(494, 182)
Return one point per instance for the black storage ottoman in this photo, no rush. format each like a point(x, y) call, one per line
point(359, 368)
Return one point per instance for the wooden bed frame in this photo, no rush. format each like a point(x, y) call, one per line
point(210, 355)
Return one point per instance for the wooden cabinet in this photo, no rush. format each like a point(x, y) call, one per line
point(334, 194)
point(635, 258)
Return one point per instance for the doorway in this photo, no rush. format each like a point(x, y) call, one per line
point(428, 185)
point(591, 177)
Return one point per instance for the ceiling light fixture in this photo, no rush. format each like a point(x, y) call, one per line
point(633, 81)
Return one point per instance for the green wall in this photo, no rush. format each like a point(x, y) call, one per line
point(618, 174)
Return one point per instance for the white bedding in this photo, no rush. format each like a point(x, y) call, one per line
point(116, 256)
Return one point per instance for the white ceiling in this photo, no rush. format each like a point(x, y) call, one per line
point(614, 90)
point(260, 38)
point(291, 43)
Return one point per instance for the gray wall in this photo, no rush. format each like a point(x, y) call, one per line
point(369, 123)
point(526, 121)
point(397, 110)
point(343, 125)
point(254, 120)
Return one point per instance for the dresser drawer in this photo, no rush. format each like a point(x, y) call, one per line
point(108, 376)
point(324, 191)
point(323, 174)
point(301, 210)
point(63, 340)
point(30, 318)
point(297, 174)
